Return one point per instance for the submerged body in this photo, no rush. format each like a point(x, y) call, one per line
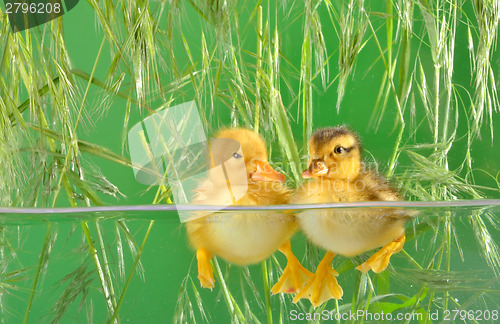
point(349, 231)
point(242, 237)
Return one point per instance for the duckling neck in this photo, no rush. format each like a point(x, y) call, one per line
point(345, 189)
point(345, 170)
point(265, 193)
point(255, 193)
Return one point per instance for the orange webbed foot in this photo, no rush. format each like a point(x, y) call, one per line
point(323, 286)
point(205, 271)
point(294, 275)
point(380, 260)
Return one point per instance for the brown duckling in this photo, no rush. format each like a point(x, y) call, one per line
point(337, 175)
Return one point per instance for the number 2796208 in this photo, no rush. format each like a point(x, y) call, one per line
point(473, 315)
point(33, 8)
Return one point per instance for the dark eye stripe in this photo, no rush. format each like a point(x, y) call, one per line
point(340, 149)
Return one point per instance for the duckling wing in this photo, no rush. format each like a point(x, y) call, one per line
point(376, 188)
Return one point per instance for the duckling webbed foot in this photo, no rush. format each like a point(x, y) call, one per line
point(294, 275)
point(205, 271)
point(323, 286)
point(380, 260)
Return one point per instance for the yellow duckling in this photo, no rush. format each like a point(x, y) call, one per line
point(247, 178)
point(337, 175)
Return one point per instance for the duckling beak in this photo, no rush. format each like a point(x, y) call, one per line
point(265, 172)
point(317, 168)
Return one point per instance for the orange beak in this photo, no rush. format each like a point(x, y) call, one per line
point(265, 172)
point(317, 168)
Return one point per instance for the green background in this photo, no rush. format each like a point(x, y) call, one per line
point(167, 259)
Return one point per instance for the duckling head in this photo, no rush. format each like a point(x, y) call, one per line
point(335, 153)
point(243, 154)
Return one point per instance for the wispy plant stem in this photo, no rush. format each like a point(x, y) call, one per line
point(258, 70)
point(131, 274)
point(267, 292)
point(306, 75)
point(41, 262)
point(228, 297)
point(100, 271)
point(72, 150)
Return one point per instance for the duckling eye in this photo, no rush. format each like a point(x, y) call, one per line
point(237, 156)
point(339, 149)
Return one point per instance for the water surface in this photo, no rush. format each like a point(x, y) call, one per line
point(144, 271)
